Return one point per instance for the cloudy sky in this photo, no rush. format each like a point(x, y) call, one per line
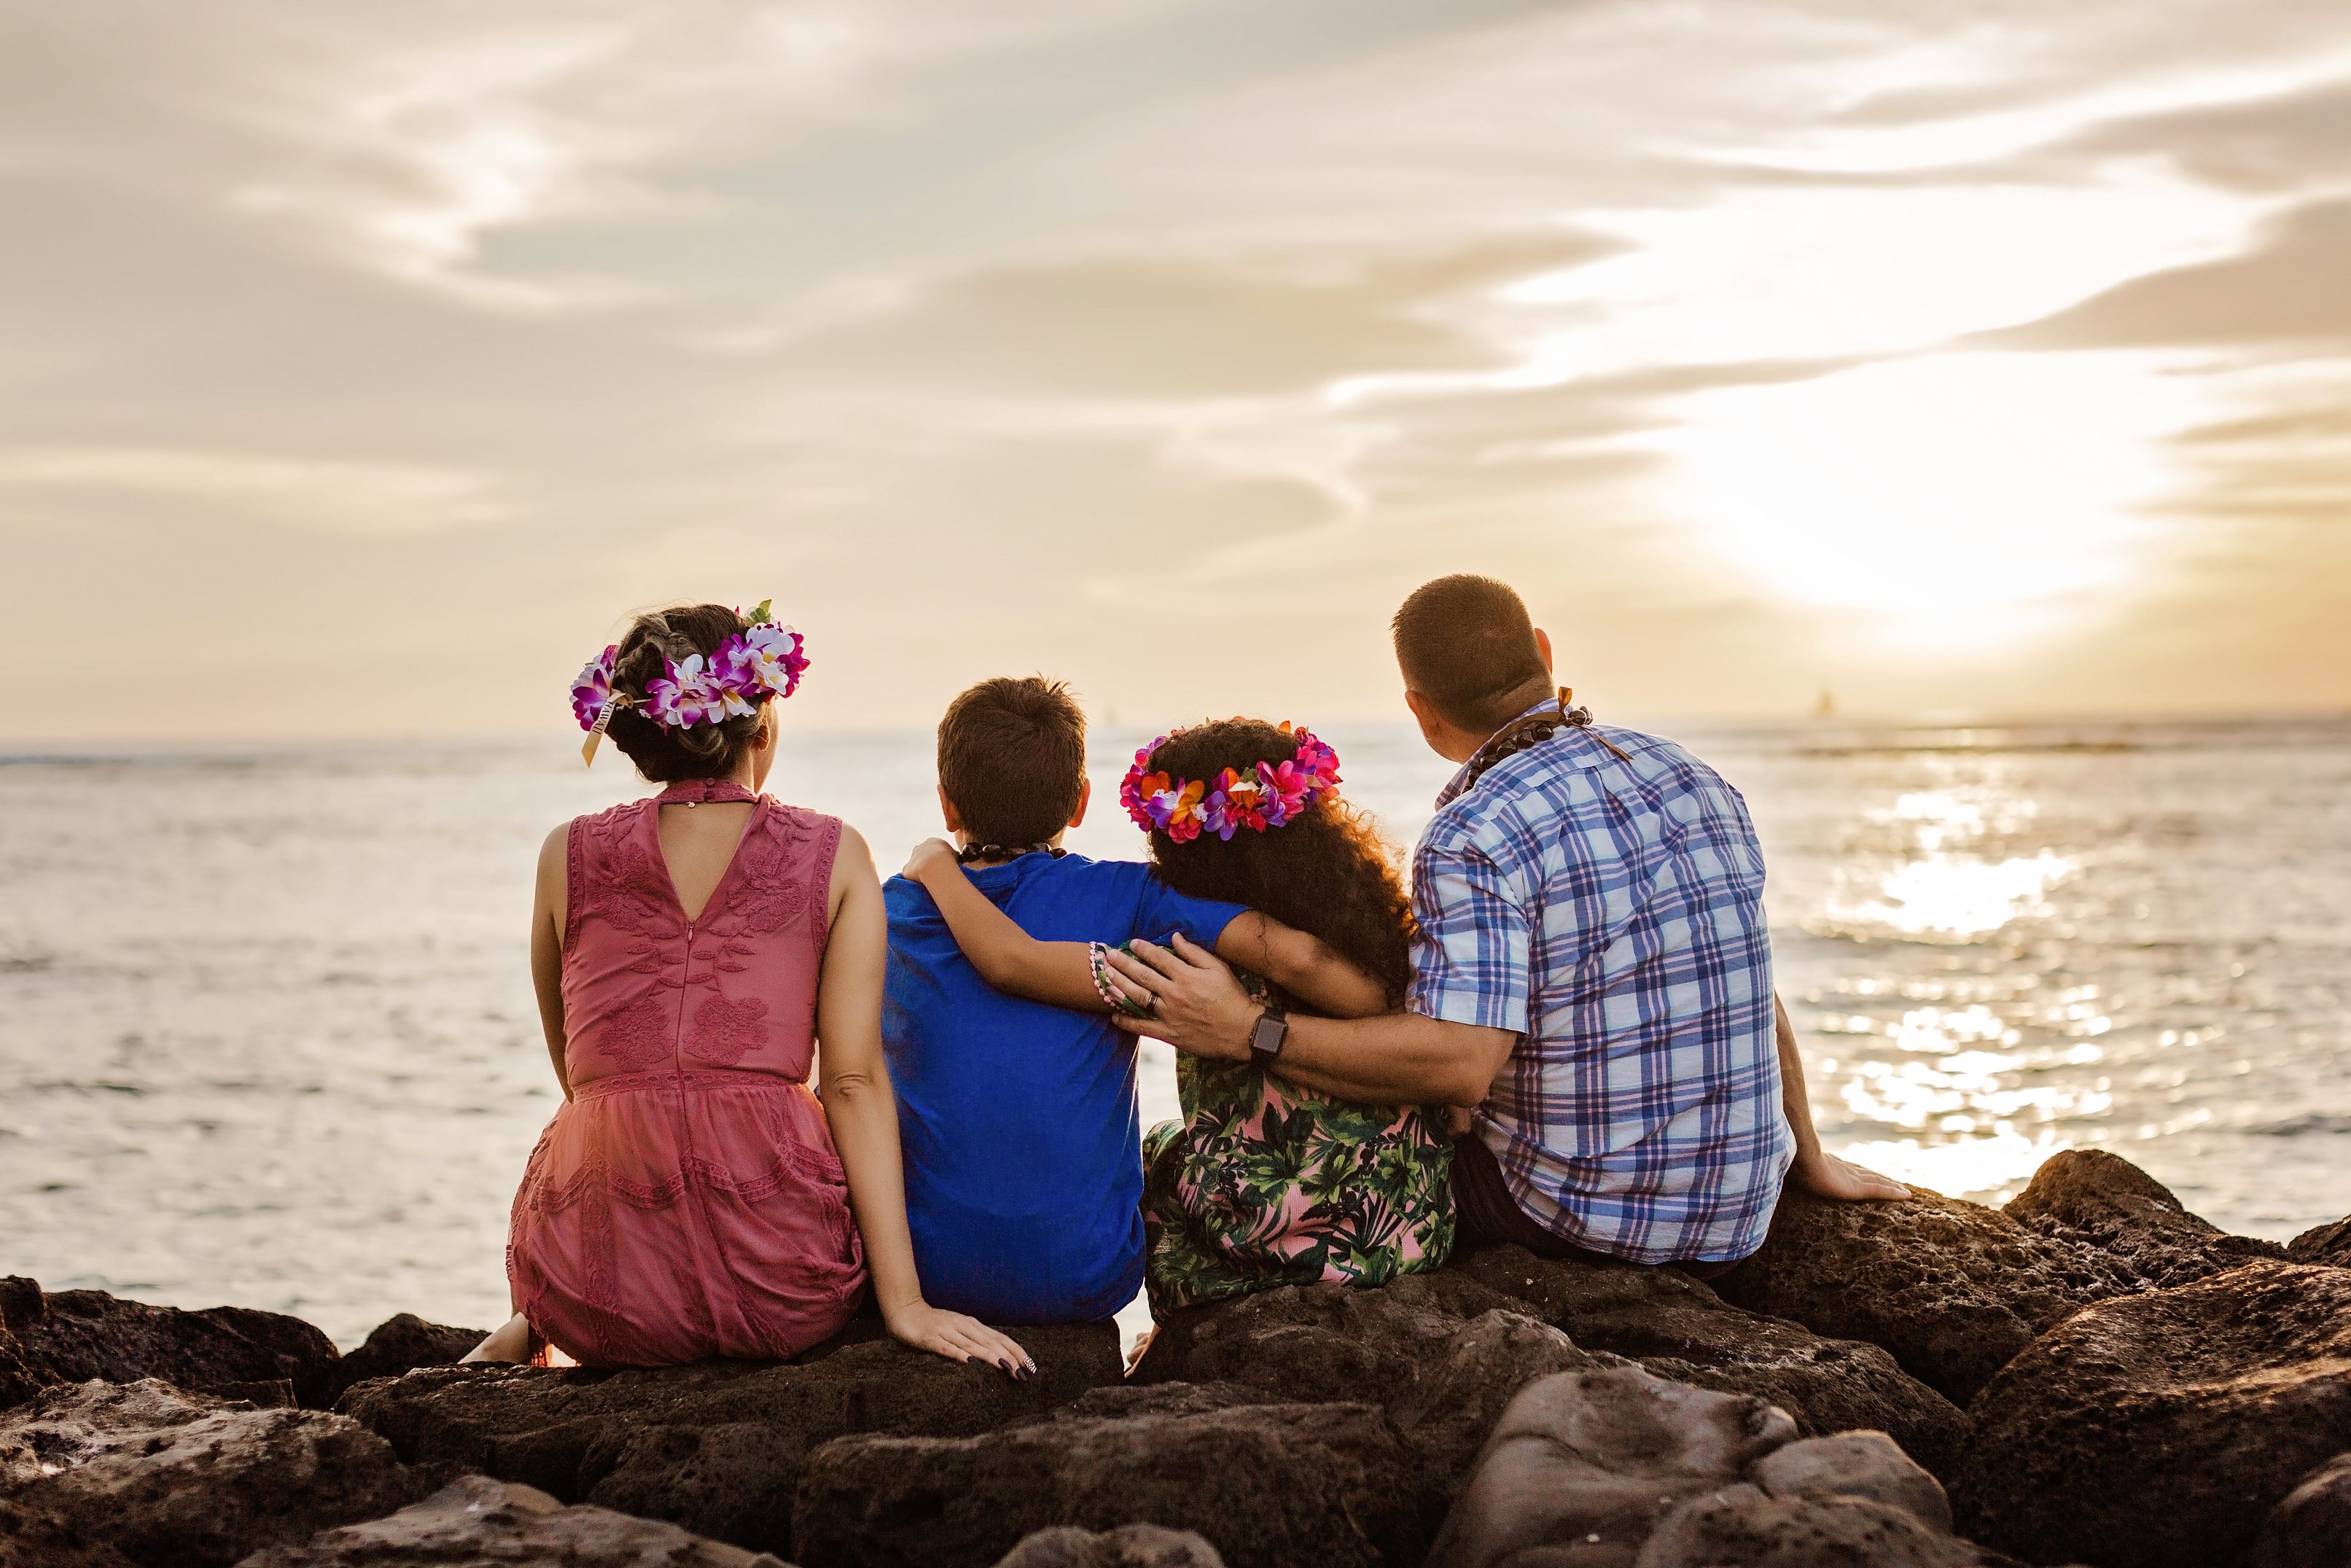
point(361, 364)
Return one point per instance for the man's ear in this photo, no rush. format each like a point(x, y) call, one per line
point(1542, 640)
point(1085, 798)
point(1432, 723)
point(946, 809)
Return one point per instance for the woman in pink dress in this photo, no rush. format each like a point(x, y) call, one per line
point(691, 952)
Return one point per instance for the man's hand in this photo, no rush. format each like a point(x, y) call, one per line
point(932, 857)
point(1824, 1174)
point(1198, 1006)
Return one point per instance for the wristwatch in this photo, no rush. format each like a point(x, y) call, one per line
point(1268, 1034)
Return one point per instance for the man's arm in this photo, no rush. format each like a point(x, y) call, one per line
point(1401, 1059)
point(1816, 1170)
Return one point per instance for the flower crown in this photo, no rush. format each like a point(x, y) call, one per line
point(761, 661)
point(1265, 797)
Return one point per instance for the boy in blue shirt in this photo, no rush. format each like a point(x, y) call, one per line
point(1018, 1119)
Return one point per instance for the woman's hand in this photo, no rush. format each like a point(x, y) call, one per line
point(1198, 1006)
point(932, 857)
point(956, 1337)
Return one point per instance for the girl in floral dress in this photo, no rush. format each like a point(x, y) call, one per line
point(1262, 1183)
point(696, 953)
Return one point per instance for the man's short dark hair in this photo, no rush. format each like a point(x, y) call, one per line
point(1012, 758)
point(1466, 643)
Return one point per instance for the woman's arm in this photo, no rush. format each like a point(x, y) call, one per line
point(1306, 967)
point(550, 898)
point(1006, 957)
point(854, 1082)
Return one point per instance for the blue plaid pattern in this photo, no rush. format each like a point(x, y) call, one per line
point(1610, 912)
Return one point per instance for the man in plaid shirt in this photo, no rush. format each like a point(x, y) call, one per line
point(1592, 973)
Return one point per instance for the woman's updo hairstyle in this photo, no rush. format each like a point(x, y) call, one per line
point(653, 642)
point(1326, 871)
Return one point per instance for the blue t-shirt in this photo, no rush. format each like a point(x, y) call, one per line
point(1021, 1136)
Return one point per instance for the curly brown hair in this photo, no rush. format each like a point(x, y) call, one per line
point(1326, 871)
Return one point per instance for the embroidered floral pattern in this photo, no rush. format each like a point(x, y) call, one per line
point(725, 1030)
point(641, 1034)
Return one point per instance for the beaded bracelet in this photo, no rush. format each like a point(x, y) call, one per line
point(1098, 960)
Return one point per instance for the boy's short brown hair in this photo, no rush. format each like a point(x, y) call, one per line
point(1467, 645)
point(1012, 758)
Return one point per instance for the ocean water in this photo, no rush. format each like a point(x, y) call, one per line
point(266, 1033)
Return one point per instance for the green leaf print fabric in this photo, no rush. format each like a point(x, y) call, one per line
point(1264, 1184)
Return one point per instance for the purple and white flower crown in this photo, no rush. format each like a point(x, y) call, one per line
point(761, 661)
point(1267, 797)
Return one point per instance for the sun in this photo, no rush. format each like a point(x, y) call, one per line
point(1948, 499)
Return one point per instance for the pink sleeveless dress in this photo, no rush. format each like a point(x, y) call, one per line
point(687, 1202)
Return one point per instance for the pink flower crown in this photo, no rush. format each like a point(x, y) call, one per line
point(761, 661)
point(1267, 796)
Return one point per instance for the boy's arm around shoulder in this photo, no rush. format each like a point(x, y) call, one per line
point(1306, 967)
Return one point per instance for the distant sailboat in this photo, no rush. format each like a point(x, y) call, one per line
point(1826, 706)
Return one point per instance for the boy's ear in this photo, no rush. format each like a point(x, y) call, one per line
point(1085, 797)
point(953, 818)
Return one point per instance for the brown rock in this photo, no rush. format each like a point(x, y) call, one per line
point(716, 1446)
point(1741, 1525)
point(2090, 1196)
point(72, 1336)
point(1268, 1485)
point(1131, 1546)
point(2311, 1526)
point(2159, 1430)
point(1583, 1465)
point(1954, 1290)
point(2323, 1244)
point(171, 1479)
point(399, 1344)
point(478, 1523)
point(1866, 1465)
point(1681, 1329)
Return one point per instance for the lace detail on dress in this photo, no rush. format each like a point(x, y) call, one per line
point(723, 1030)
point(641, 1034)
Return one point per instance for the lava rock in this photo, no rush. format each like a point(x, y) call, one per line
point(72, 1336)
point(1866, 1465)
point(2159, 1430)
point(399, 1344)
point(1681, 1329)
point(1953, 1290)
point(2090, 1196)
point(2323, 1244)
point(716, 1446)
point(1270, 1485)
point(1129, 1546)
point(1587, 1464)
point(2311, 1527)
point(1442, 1352)
point(478, 1523)
point(1743, 1525)
point(170, 1479)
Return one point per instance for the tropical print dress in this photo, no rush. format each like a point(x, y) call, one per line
point(1264, 1184)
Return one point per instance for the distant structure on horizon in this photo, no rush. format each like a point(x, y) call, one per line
point(1826, 706)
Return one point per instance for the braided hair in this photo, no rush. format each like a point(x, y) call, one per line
point(655, 641)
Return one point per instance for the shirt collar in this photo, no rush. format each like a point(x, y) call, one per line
point(1459, 784)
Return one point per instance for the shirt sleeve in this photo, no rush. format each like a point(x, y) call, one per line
point(1161, 910)
point(1470, 960)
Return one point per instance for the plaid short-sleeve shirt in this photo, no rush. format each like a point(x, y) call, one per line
point(1609, 911)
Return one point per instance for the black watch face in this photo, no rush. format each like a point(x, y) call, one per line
point(1266, 1039)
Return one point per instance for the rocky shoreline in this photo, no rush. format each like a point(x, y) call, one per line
point(2090, 1374)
